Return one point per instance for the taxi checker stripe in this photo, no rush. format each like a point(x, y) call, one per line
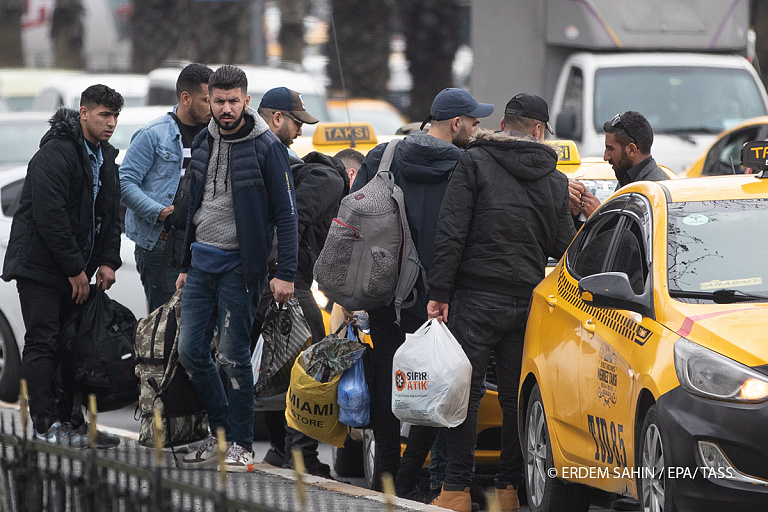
point(611, 318)
point(685, 329)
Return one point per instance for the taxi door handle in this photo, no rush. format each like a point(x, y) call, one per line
point(551, 300)
point(589, 326)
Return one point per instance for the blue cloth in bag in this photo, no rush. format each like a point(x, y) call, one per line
point(353, 396)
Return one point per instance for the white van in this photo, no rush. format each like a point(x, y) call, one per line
point(66, 93)
point(162, 87)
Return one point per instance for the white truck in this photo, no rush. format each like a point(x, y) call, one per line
point(680, 63)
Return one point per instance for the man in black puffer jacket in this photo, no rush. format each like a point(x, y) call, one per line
point(504, 213)
point(422, 166)
point(66, 229)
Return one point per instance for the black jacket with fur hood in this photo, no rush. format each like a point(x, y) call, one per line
point(51, 230)
point(504, 213)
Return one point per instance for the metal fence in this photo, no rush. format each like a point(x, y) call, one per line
point(40, 476)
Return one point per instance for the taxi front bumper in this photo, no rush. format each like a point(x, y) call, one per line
point(737, 431)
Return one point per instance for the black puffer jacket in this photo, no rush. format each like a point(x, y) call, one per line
point(320, 182)
point(51, 229)
point(504, 213)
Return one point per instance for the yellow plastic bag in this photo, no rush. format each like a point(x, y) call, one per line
point(311, 408)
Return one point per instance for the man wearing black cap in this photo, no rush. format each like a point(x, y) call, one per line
point(421, 165)
point(504, 213)
point(284, 112)
point(319, 182)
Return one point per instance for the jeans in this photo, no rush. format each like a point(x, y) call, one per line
point(45, 309)
point(387, 337)
point(282, 437)
point(226, 296)
point(438, 460)
point(148, 264)
point(483, 322)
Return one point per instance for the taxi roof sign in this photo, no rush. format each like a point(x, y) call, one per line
point(566, 150)
point(755, 156)
point(328, 134)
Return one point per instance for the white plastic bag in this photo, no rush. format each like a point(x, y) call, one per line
point(430, 378)
point(256, 359)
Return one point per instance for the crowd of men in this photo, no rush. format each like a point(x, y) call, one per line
point(219, 205)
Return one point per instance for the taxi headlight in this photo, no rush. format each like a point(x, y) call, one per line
point(706, 373)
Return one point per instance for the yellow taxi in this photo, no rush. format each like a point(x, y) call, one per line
point(384, 116)
point(722, 157)
point(330, 138)
point(645, 366)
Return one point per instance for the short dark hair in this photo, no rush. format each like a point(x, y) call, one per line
point(629, 127)
point(192, 78)
point(228, 77)
point(100, 94)
point(514, 122)
point(350, 156)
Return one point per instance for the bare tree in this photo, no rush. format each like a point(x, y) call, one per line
point(291, 35)
point(363, 31)
point(211, 32)
point(67, 34)
point(11, 53)
point(432, 36)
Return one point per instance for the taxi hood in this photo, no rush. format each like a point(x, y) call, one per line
point(736, 331)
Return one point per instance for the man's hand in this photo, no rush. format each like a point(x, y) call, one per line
point(281, 290)
point(349, 316)
point(181, 280)
point(105, 277)
point(589, 203)
point(438, 310)
point(80, 288)
point(165, 212)
point(576, 190)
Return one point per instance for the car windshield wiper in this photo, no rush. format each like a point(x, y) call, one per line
point(722, 296)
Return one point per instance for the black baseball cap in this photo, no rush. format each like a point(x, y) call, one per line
point(531, 106)
point(282, 98)
point(453, 102)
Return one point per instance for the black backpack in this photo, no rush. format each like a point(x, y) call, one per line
point(97, 353)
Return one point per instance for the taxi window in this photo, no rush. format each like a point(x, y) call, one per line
point(717, 245)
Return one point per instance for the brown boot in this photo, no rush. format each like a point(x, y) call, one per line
point(507, 499)
point(458, 501)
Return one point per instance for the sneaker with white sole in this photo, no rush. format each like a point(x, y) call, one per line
point(238, 460)
point(204, 456)
point(59, 434)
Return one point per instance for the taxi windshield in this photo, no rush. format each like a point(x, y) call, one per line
point(678, 100)
point(718, 248)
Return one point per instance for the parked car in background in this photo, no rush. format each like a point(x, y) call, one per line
point(20, 86)
point(66, 93)
point(20, 134)
point(722, 157)
point(383, 116)
point(645, 365)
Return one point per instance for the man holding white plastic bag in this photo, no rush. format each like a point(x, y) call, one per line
point(504, 213)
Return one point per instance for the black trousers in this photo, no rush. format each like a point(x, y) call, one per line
point(45, 309)
point(483, 322)
point(387, 337)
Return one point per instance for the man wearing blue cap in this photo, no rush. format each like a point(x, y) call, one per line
point(421, 165)
point(505, 212)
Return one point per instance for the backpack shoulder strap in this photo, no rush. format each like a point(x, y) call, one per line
point(386, 162)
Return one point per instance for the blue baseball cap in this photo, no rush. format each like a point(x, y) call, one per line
point(282, 98)
point(453, 102)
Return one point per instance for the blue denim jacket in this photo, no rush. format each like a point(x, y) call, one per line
point(149, 177)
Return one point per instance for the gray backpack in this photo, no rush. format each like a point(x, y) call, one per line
point(369, 259)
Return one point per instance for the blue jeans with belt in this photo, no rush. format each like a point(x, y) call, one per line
point(226, 296)
point(483, 322)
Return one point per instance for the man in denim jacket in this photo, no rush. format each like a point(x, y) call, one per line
point(154, 188)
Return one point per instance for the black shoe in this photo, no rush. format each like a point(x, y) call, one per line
point(319, 469)
point(103, 440)
point(477, 493)
point(415, 495)
point(274, 457)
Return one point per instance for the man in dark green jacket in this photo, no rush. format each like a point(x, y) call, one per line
point(66, 229)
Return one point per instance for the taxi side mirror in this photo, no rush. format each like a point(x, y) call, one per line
point(612, 290)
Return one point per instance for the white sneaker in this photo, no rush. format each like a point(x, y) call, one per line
point(204, 456)
point(238, 460)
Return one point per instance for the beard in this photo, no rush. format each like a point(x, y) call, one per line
point(226, 124)
point(461, 140)
point(284, 135)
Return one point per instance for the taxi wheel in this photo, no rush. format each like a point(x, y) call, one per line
point(653, 484)
point(370, 469)
point(546, 492)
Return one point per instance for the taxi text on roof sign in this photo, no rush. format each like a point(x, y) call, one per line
point(755, 155)
point(344, 133)
point(566, 151)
